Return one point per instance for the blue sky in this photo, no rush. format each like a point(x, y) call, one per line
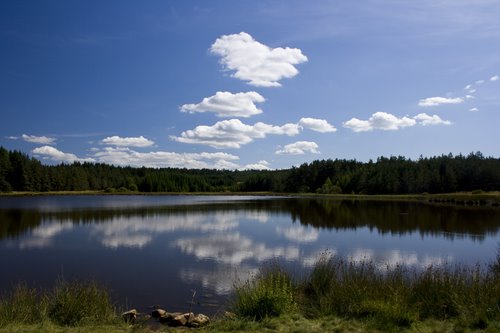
point(248, 84)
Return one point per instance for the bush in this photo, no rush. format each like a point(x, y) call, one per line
point(269, 294)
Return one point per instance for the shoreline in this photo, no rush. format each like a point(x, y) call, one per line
point(469, 199)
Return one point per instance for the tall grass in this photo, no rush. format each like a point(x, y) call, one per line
point(68, 304)
point(391, 298)
point(270, 293)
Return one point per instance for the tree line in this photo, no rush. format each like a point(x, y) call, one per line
point(393, 175)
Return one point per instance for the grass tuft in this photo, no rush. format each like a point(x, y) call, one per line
point(23, 305)
point(269, 294)
point(76, 302)
point(68, 304)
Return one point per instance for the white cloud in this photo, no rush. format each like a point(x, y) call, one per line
point(479, 81)
point(226, 104)
point(127, 142)
point(425, 120)
point(233, 133)
point(11, 137)
point(162, 159)
point(469, 97)
point(318, 125)
point(299, 148)
point(473, 109)
point(254, 62)
point(379, 120)
point(43, 140)
point(468, 87)
point(59, 156)
point(494, 78)
point(261, 165)
point(434, 101)
point(471, 91)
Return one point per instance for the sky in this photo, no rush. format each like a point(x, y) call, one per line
point(248, 84)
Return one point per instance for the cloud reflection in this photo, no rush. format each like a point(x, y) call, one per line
point(139, 232)
point(393, 258)
point(222, 279)
point(44, 234)
point(299, 234)
point(233, 249)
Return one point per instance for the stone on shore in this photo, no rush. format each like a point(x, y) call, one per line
point(130, 316)
point(167, 317)
point(199, 320)
point(179, 319)
point(158, 313)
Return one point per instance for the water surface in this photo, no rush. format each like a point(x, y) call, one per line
point(152, 250)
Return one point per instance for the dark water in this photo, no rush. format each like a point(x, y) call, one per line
point(152, 250)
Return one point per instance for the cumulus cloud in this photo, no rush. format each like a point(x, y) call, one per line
point(127, 142)
point(48, 152)
point(43, 140)
point(233, 133)
point(473, 109)
point(254, 62)
point(494, 78)
point(425, 120)
point(379, 120)
point(318, 125)
point(386, 121)
point(261, 165)
point(226, 104)
point(434, 101)
point(299, 148)
point(162, 159)
point(479, 81)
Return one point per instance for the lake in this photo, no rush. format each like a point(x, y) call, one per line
point(158, 250)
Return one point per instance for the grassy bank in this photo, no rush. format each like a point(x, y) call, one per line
point(335, 295)
point(389, 299)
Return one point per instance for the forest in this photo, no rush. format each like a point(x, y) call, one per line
point(386, 175)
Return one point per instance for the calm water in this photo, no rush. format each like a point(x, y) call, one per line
point(157, 249)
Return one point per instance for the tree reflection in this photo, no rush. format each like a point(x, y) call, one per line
point(385, 217)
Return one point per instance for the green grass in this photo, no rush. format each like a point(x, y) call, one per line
point(390, 299)
point(68, 304)
point(269, 294)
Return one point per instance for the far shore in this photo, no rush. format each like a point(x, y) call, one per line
point(475, 198)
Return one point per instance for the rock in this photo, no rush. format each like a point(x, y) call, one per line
point(198, 320)
point(168, 317)
point(182, 320)
point(158, 313)
point(229, 315)
point(130, 315)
